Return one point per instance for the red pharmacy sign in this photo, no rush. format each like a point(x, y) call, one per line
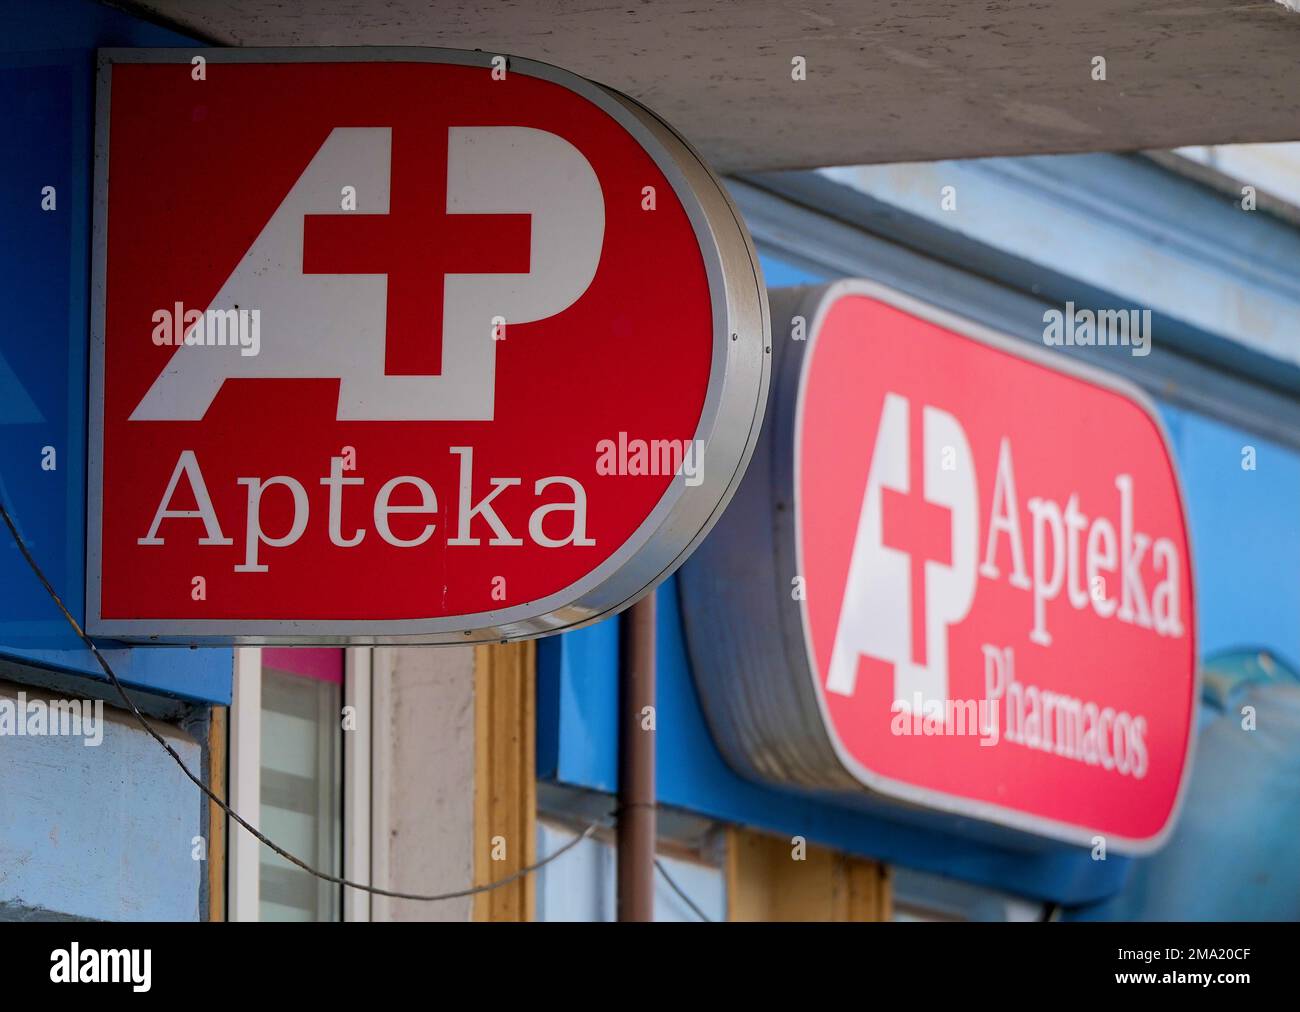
point(411, 345)
point(987, 565)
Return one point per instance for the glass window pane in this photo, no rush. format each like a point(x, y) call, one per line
point(301, 791)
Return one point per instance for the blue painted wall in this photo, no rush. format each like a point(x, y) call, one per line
point(99, 831)
point(47, 53)
point(1245, 530)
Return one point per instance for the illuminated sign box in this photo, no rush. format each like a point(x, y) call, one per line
point(956, 576)
point(402, 346)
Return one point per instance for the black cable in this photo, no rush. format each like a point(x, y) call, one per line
point(261, 837)
point(678, 890)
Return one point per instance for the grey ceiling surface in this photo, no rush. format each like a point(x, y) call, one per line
point(903, 80)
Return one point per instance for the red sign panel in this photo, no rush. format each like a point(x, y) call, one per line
point(990, 570)
point(409, 344)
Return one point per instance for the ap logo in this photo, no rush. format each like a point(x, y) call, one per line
point(455, 234)
point(913, 568)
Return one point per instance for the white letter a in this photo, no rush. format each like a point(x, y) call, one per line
point(188, 465)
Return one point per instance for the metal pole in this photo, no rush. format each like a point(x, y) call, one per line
point(636, 780)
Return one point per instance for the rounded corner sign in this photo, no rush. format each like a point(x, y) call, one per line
point(402, 345)
point(982, 593)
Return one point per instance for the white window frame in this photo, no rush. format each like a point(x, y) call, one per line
point(244, 851)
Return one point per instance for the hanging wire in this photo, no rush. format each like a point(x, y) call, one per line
point(659, 865)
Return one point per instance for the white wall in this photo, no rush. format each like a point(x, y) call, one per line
point(423, 780)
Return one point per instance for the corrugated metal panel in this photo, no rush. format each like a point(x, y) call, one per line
point(754, 678)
